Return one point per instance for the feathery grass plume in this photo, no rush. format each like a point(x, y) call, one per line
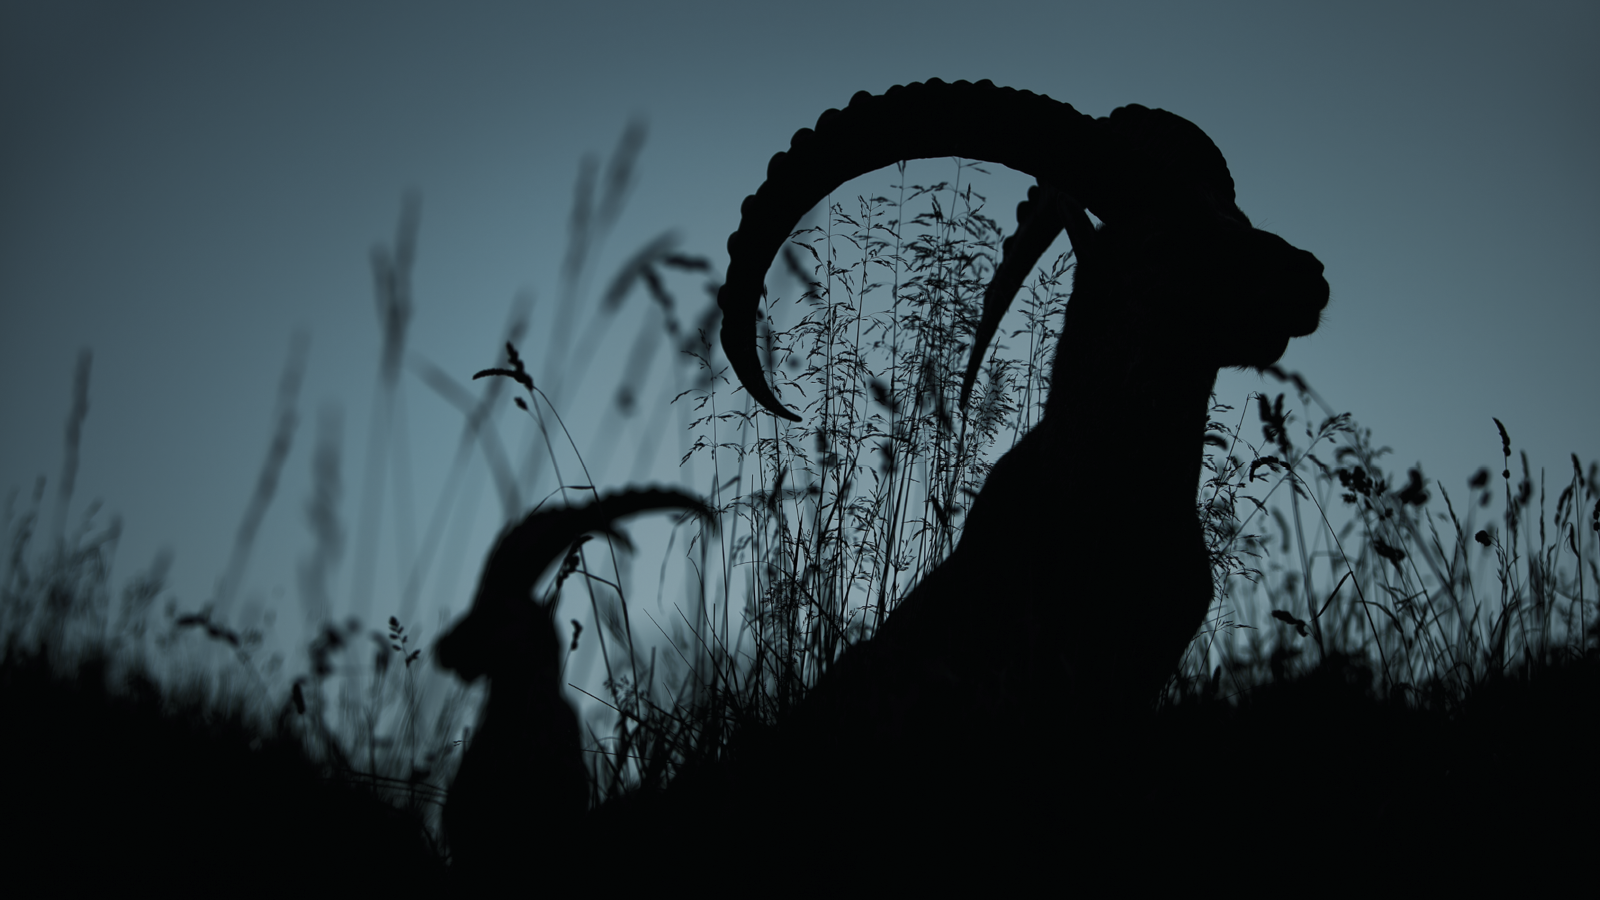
point(391, 276)
point(285, 419)
point(74, 440)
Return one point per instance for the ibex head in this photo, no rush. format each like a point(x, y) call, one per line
point(506, 633)
point(1175, 256)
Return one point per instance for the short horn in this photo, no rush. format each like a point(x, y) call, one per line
point(529, 548)
point(1028, 132)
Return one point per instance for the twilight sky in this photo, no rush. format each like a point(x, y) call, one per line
point(184, 185)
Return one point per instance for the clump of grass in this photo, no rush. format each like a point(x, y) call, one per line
point(1381, 665)
point(116, 772)
point(1407, 577)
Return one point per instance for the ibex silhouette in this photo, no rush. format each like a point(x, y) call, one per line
point(522, 784)
point(1082, 571)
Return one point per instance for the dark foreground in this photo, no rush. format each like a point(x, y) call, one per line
point(108, 790)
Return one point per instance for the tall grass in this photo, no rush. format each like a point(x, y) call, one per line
point(1366, 566)
point(1324, 561)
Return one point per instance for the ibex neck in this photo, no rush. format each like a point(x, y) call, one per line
point(1141, 412)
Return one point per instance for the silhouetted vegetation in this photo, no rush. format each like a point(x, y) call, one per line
point(1389, 666)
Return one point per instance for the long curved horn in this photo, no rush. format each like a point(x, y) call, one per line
point(1041, 217)
point(1019, 129)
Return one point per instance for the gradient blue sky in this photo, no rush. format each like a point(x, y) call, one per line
point(182, 185)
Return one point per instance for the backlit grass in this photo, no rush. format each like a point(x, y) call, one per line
point(1387, 654)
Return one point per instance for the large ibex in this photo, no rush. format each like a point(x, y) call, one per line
point(1082, 571)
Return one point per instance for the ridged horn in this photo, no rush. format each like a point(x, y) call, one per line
point(1021, 130)
point(529, 548)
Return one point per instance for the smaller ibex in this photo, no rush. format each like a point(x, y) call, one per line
point(522, 784)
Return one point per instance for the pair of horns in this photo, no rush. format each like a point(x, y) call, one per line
point(1117, 167)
